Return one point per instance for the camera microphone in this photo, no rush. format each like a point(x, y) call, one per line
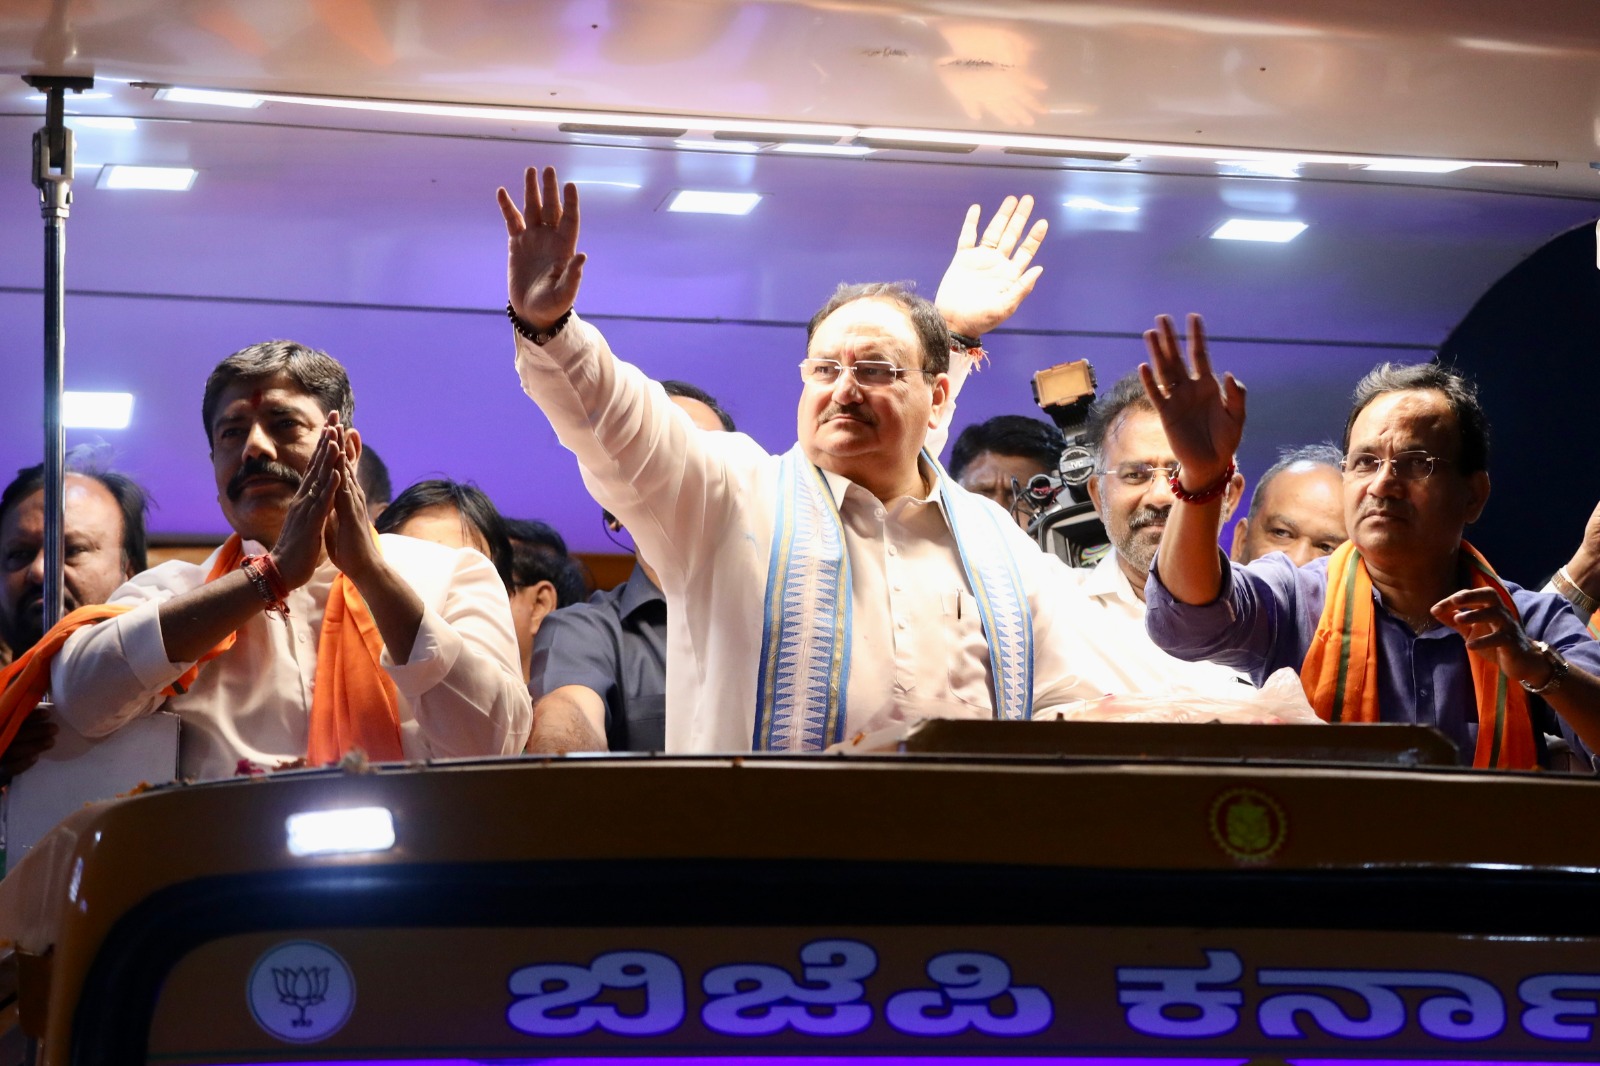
point(1041, 490)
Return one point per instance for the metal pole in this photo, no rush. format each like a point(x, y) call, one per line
point(52, 173)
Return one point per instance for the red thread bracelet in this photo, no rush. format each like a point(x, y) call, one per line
point(267, 581)
point(1205, 495)
point(280, 590)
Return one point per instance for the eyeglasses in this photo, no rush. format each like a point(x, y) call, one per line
point(869, 374)
point(1408, 466)
point(1136, 474)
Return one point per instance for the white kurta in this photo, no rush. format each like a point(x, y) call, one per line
point(702, 506)
point(1115, 654)
point(461, 691)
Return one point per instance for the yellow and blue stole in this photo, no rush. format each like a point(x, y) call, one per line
point(805, 632)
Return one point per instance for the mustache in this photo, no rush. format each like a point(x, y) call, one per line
point(856, 411)
point(34, 599)
point(25, 626)
point(1145, 517)
point(254, 468)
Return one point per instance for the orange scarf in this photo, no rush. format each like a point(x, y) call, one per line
point(1340, 674)
point(354, 704)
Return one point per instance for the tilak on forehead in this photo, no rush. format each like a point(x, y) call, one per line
point(255, 398)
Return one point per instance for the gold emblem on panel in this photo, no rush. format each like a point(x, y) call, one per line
point(1248, 824)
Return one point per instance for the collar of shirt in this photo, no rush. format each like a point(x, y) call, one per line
point(1436, 629)
point(1107, 581)
point(639, 591)
point(839, 485)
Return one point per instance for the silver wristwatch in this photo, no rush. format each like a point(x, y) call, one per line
point(1558, 669)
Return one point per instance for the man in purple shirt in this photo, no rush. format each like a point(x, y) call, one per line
point(1416, 452)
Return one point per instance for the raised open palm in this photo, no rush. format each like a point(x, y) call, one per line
point(543, 267)
point(987, 278)
point(1203, 418)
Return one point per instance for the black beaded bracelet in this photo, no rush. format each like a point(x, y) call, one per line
point(536, 336)
point(961, 340)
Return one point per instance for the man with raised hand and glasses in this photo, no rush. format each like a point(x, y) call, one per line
point(1405, 622)
point(1129, 491)
point(843, 585)
point(598, 674)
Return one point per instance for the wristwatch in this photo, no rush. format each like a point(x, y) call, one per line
point(1558, 669)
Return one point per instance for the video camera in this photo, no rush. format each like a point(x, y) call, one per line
point(1065, 522)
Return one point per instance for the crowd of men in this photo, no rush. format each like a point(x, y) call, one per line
point(787, 602)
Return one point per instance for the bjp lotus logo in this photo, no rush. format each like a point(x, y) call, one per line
point(301, 991)
point(1248, 824)
point(302, 988)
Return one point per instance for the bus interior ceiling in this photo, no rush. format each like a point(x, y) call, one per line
point(372, 233)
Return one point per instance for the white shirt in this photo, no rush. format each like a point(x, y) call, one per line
point(461, 691)
point(702, 506)
point(1115, 654)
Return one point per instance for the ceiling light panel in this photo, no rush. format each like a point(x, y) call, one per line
point(697, 201)
point(164, 179)
point(1089, 203)
point(1272, 231)
point(96, 410)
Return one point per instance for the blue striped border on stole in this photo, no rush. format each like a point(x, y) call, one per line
point(806, 625)
point(1002, 605)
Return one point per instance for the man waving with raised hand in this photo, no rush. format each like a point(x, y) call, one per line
point(1406, 622)
point(846, 584)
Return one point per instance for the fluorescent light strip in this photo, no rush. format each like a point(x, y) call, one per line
point(800, 148)
point(96, 410)
point(719, 146)
point(102, 122)
point(954, 140)
point(216, 97)
point(340, 832)
point(582, 118)
point(1272, 168)
point(697, 201)
point(1166, 151)
point(164, 179)
point(1274, 231)
point(91, 95)
point(1418, 166)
